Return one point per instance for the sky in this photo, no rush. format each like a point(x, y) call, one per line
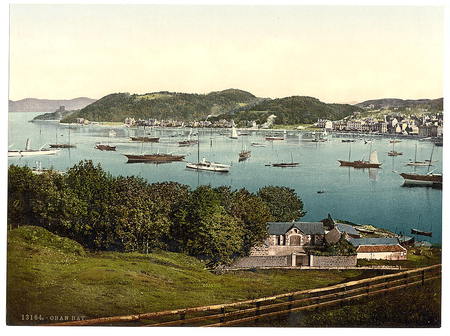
point(342, 54)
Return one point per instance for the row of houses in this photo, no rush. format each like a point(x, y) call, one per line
point(422, 127)
point(300, 243)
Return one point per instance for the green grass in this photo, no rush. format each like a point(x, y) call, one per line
point(417, 257)
point(49, 275)
point(418, 306)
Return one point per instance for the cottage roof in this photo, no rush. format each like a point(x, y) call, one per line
point(380, 248)
point(373, 241)
point(308, 228)
point(347, 228)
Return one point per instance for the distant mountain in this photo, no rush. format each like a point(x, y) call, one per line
point(431, 104)
point(297, 110)
point(164, 105)
point(47, 105)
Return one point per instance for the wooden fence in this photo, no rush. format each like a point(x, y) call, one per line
point(236, 313)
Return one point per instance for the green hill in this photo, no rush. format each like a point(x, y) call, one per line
point(54, 276)
point(302, 110)
point(229, 104)
point(164, 105)
point(293, 110)
point(430, 104)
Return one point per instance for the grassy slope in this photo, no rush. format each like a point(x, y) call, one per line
point(49, 275)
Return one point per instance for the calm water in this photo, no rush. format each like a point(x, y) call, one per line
point(373, 197)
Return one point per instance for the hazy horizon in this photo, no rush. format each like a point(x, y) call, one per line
point(345, 102)
point(338, 54)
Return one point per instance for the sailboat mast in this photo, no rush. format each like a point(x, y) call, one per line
point(349, 151)
point(415, 155)
point(198, 146)
point(431, 158)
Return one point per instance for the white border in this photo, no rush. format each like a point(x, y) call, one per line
point(4, 54)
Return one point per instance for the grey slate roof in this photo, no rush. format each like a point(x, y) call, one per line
point(347, 228)
point(308, 228)
point(373, 241)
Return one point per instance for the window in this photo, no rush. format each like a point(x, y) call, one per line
point(295, 240)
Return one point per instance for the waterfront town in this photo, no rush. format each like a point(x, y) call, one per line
point(422, 126)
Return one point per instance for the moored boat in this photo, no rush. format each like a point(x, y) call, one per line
point(209, 166)
point(104, 147)
point(422, 179)
point(422, 233)
point(274, 138)
point(187, 143)
point(61, 146)
point(285, 164)
point(144, 139)
point(428, 179)
point(244, 155)
point(372, 163)
point(234, 134)
point(153, 158)
point(31, 152)
point(256, 144)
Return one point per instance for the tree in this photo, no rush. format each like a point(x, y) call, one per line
point(284, 203)
point(20, 189)
point(210, 232)
point(251, 212)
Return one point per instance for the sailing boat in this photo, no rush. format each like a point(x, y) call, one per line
point(234, 134)
point(428, 179)
point(372, 163)
point(153, 158)
point(393, 152)
point(422, 233)
point(106, 147)
point(56, 145)
point(244, 154)
point(187, 142)
point(286, 164)
point(144, 138)
point(416, 163)
point(31, 152)
point(207, 165)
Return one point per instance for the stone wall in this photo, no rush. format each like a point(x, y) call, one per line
point(262, 261)
point(332, 261)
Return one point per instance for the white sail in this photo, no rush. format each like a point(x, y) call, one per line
point(234, 134)
point(28, 145)
point(373, 157)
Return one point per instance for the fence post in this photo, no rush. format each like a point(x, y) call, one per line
point(423, 277)
point(182, 317)
point(291, 298)
point(222, 318)
point(257, 312)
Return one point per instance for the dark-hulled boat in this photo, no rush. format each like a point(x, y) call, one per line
point(285, 164)
point(244, 155)
point(62, 146)
point(372, 163)
point(104, 147)
point(144, 139)
point(187, 143)
point(153, 158)
point(422, 179)
point(422, 233)
point(394, 153)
